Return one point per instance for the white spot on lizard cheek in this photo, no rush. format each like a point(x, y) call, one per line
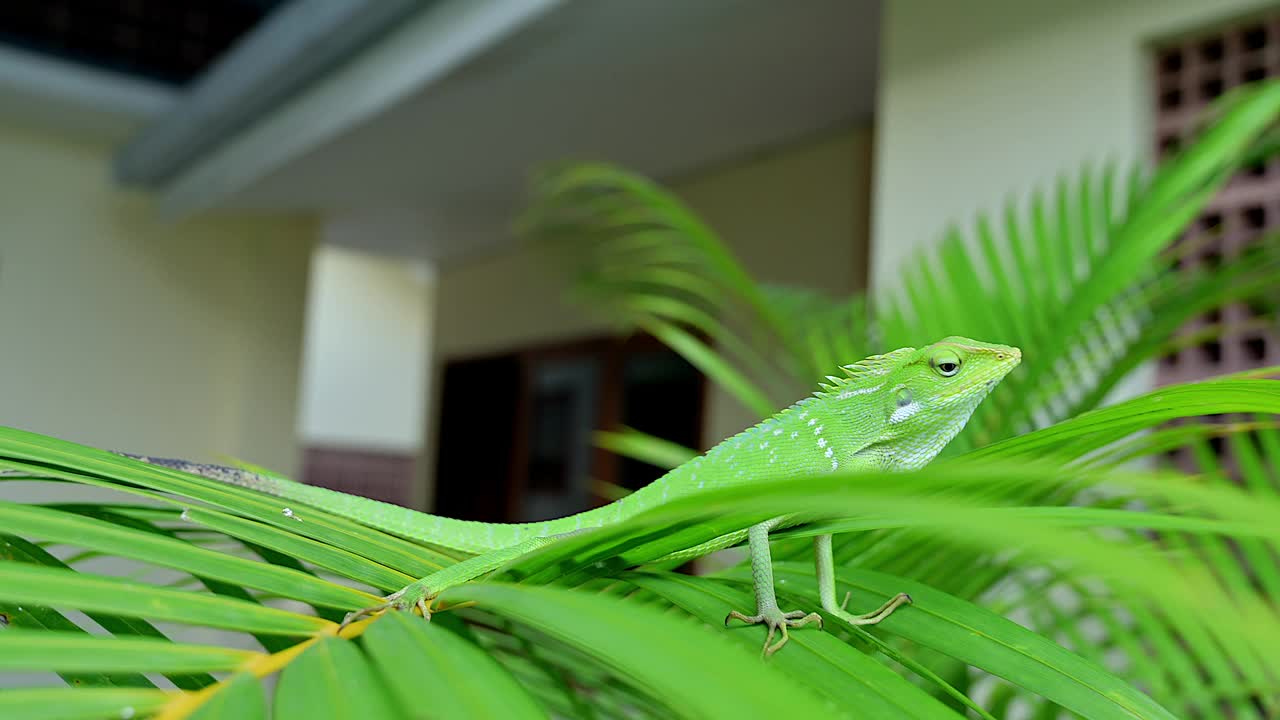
point(777, 432)
point(817, 430)
point(795, 435)
point(830, 452)
point(813, 422)
point(822, 442)
point(835, 464)
point(701, 484)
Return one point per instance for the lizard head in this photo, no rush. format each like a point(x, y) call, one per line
point(931, 394)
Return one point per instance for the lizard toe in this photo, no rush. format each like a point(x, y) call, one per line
point(408, 598)
point(777, 621)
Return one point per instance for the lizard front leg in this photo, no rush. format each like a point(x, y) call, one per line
point(767, 610)
point(827, 589)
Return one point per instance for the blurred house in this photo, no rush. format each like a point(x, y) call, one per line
point(278, 231)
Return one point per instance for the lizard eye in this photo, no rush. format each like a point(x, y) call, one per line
point(947, 363)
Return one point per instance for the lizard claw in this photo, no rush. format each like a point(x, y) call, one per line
point(412, 596)
point(776, 620)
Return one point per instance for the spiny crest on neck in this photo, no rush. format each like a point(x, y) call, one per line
point(864, 376)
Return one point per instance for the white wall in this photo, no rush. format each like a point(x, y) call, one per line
point(366, 351)
point(125, 332)
point(978, 99)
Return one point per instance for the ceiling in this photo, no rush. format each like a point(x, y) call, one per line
point(663, 87)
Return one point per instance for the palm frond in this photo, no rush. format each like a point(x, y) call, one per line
point(1078, 277)
point(567, 604)
point(1084, 280)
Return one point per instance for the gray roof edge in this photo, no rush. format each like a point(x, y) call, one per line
point(293, 47)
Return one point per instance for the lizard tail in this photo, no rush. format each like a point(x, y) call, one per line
point(466, 535)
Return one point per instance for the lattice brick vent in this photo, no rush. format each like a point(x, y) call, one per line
point(1189, 74)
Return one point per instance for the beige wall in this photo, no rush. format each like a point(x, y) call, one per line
point(977, 100)
point(795, 214)
point(124, 331)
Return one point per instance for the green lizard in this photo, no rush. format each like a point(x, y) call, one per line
point(894, 411)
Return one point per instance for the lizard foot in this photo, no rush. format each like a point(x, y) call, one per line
point(874, 616)
point(776, 620)
point(411, 596)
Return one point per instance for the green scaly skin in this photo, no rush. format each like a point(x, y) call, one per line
point(890, 412)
